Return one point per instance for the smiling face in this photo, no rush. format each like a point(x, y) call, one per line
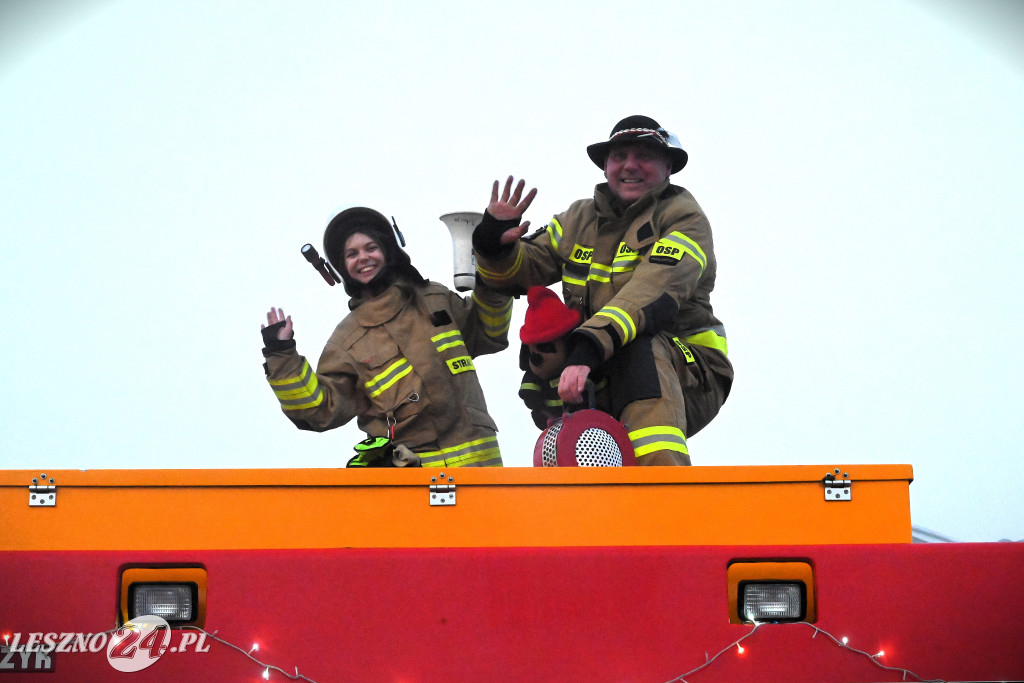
point(364, 258)
point(633, 169)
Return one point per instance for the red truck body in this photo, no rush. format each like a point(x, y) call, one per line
point(617, 574)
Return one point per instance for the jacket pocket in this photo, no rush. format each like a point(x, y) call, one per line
point(387, 376)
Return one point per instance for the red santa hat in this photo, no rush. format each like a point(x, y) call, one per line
point(547, 318)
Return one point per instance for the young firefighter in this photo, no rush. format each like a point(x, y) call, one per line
point(637, 261)
point(401, 361)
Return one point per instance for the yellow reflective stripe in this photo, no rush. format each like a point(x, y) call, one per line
point(576, 270)
point(687, 245)
point(573, 280)
point(491, 454)
point(447, 340)
point(529, 386)
point(382, 382)
point(600, 273)
point(299, 392)
point(301, 377)
point(661, 438)
point(501, 275)
point(556, 402)
point(460, 365)
point(625, 259)
point(622, 319)
point(471, 452)
point(554, 229)
point(685, 351)
point(485, 307)
point(496, 319)
point(709, 338)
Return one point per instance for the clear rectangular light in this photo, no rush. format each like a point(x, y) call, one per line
point(171, 601)
point(773, 601)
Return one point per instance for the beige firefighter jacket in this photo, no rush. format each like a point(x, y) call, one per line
point(649, 270)
point(389, 362)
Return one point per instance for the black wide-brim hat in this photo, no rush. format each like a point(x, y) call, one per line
point(643, 130)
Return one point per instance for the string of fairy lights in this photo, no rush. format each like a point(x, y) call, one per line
point(842, 643)
point(267, 668)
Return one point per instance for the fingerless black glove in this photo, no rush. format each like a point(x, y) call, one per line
point(271, 344)
point(487, 237)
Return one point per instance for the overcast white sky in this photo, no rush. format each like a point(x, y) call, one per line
point(861, 165)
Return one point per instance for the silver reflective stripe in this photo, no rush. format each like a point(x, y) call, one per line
point(296, 393)
point(495, 319)
point(482, 451)
point(663, 438)
point(447, 340)
point(379, 384)
point(687, 245)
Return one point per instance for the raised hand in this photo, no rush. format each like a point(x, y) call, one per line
point(276, 315)
point(511, 205)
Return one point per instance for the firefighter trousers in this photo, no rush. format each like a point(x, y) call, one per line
point(663, 391)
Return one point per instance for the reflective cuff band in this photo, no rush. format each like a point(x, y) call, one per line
point(502, 275)
point(495, 319)
point(622, 319)
point(298, 393)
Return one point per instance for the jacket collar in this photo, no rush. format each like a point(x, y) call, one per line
point(381, 308)
point(608, 205)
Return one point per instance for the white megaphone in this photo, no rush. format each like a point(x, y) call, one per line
point(461, 225)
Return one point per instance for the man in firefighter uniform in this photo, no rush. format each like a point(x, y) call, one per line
point(638, 262)
point(401, 362)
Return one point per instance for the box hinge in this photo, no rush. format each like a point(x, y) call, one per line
point(442, 493)
point(42, 495)
point(837, 489)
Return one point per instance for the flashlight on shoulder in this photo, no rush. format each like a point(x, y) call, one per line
point(320, 263)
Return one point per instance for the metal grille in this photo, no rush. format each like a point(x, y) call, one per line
point(548, 450)
point(597, 448)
